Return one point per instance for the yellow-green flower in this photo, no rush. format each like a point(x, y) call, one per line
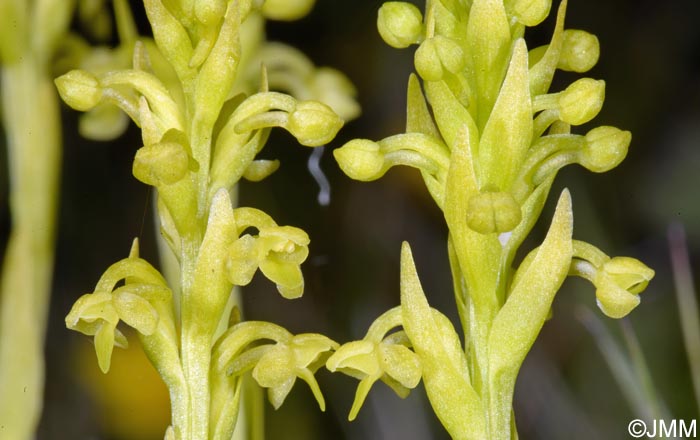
point(389, 360)
point(284, 362)
point(618, 281)
point(277, 251)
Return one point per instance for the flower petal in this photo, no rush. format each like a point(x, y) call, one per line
point(355, 357)
point(275, 367)
point(613, 300)
point(287, 277)
point(307, 348)
point(308, 377)
point(242, 260)
point(401, 364)
point(104, 344)
point(136, 311)
point(278, 393)
point(360, 395)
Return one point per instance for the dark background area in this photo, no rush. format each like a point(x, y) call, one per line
point(650, 60)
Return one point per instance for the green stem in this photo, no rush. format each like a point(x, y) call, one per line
point(195, 352)
point(31, 120)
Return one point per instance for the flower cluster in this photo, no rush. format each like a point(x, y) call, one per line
point(488, 138)
point(204, 119)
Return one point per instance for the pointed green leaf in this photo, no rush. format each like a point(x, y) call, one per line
point(218, 72)
point(451, 116)
point(542, 73)
point(488, 37)
point(477, 253)
point(519, 321)
point(446, 381)
point(171, 37)
point(418, 118)
point(203, 304)
point(508, 132)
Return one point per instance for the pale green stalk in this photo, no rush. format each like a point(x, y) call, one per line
point(31, 120)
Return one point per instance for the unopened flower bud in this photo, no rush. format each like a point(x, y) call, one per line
point(580, 51)
point(605, 148)
point(491, 211)
point(161, 164)
point(313, 123)
point(209, 12)
point(260, 169)
point(286, 10)
point(437, 54)
point(400, 24)
point(360, 159)
point(79, 89)
point(581, 101)
point(531, 12)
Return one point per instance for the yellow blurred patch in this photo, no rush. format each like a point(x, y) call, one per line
point(131, 398)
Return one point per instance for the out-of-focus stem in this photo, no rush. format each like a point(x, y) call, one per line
point(31, 120)
point(687, 301)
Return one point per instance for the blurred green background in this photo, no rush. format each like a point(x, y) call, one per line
point(650, 60)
